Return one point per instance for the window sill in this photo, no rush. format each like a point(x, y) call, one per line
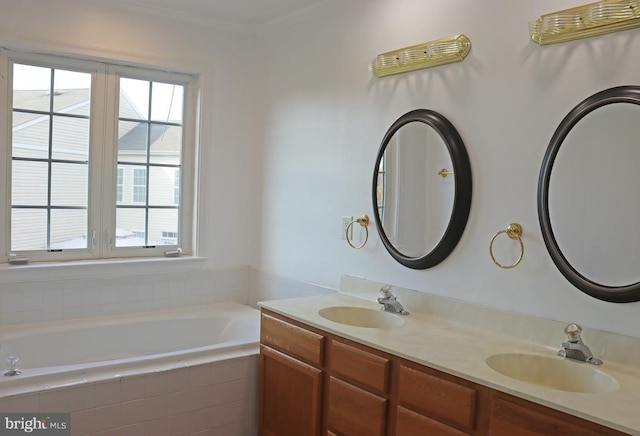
point(104, 268)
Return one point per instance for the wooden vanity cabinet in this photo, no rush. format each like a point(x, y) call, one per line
point(291, 379)
point(315, 383)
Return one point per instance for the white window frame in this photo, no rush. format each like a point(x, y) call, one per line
point(102, 157)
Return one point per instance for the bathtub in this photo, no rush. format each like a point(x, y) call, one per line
point(75, 352)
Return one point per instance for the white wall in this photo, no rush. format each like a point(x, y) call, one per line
point(325, 115)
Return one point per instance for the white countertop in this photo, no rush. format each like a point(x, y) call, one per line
point(461, 349)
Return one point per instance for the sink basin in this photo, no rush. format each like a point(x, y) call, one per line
point(361, 317)
point(553, 372)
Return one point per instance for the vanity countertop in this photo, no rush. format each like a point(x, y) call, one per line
point(462, 349)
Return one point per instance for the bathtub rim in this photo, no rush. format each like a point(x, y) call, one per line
point(73, 375)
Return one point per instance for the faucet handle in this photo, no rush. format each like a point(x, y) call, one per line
point(573, 332)
point(386, 291)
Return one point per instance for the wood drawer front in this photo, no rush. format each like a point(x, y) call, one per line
point(291, 339)
point(360, 366)
point(437, 397)
point(410, 423)
point(508, 417)
point(354, 411)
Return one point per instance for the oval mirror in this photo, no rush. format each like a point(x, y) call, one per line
point(421, 189)
point(588, 196)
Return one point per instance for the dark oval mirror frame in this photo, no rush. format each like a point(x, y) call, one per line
point(615, 294)
point(462, 193)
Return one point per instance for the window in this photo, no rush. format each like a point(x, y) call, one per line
point(139, 185)
point(176, 187)
point(169, 238)
point(119, 184)
point(99, 156)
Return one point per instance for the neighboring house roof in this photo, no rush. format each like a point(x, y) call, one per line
point(71, 133)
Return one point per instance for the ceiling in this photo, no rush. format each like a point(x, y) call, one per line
point(233, 12)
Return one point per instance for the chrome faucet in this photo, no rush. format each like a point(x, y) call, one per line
point(574, 348)
point(389, 302)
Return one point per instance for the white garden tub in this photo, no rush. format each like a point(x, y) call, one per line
point(70, 352)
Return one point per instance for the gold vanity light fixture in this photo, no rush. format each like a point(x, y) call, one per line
point(429, 54)
point(584, 21)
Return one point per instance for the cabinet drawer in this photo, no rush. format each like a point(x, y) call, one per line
point(354, 411)
point(291, 339)
point(437, 397)
point(409, 423)
point(360, 366)
point(507, 417)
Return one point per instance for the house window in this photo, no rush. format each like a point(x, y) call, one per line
point(119, 184)
point(176, 187)
point(139, 185)
point(98, 158)
point(169, 238)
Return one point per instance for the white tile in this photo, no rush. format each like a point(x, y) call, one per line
point(109, 295)
point(178, 380)
point(132, 388)
point(156, 407)
point(107, 392)
point(144, 292)
point(155, 384)
point(199, 376)
point(12, 317)
point(179, 402)
point(32, 300)
point(23, 403)
point(11, 301)
point(107, 417)
point(132, 412)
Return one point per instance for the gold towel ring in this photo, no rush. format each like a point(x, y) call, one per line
point(363, 220)
point(514, 231)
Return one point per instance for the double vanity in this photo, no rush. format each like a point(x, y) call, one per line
point(337, 364)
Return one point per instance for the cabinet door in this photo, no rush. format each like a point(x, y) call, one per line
point(354, 411)
point(290, 395)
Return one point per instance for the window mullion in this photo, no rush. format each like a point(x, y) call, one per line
point(5, 123)
point(109, 150)
point(50, 156)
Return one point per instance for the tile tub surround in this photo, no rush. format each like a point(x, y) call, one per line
point(217, 398)
point(41, 294)
point(457, 338)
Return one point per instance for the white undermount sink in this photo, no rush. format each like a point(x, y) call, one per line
point(361, 317)
point(553, 372)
